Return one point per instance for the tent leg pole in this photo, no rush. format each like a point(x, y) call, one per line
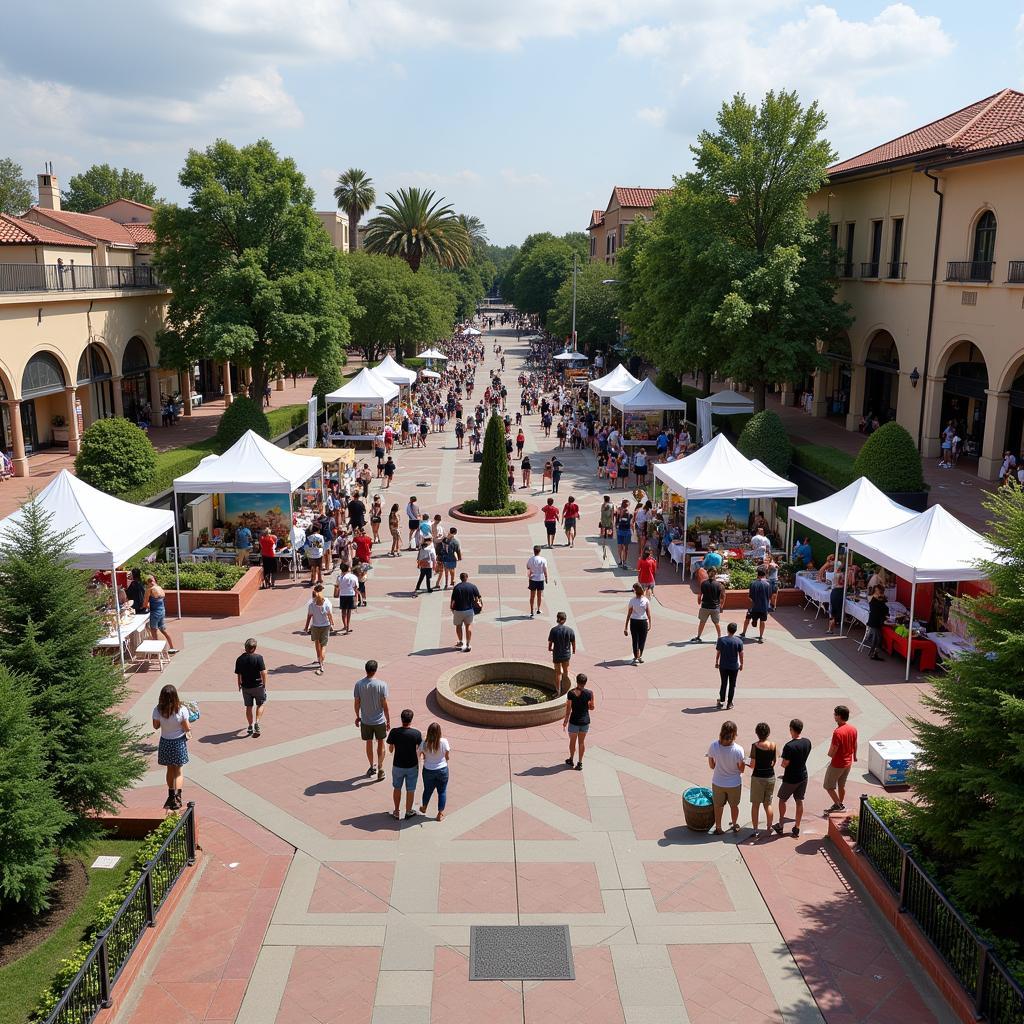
point(910, 638)
point(846, 578)
point(686, 524)
point(177, 577)
point(117, 613)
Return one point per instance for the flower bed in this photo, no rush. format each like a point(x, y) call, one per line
point(513, 512)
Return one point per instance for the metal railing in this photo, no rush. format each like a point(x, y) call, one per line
point(896, 271)
point(90, 990)
point(969, 270)
point(998, 996)
point(73, 277)
point(869, 269)
point(1015, 272)
point(844, 268)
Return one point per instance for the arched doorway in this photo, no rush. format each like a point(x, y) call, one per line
point(963, 397)
point(135, 379)
point(93, 381)
point(1015, 423)
point(42, 399)
point(882, 377)
point(6, 437)
point(837, 376)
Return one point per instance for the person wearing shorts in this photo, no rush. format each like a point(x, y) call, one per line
point(537, 575)
point(412, 515)
point(760, 604)
point(251, 675)
point(842, 754)
point(709, 605)
point(404, 743)
point(763, 755)
point(373, 717)
point(465, 603)
point(579, 702)
point(561, 646)
point(319, 623)
point(550, 520)
point(570, 515)
point(345, 586)
point(794, 776)
point(727, 762)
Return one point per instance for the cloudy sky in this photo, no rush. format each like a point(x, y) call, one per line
point(523, 112)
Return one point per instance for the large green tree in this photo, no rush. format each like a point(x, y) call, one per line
point(15, 188)
point(355, 195)
point(415, 224)
point(254, 277)
point(597, 315)
point(542, 271)
point(492, 487)
point(102, 184)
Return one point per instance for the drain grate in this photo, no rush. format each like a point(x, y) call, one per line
point(530, 952)
point(497, 569)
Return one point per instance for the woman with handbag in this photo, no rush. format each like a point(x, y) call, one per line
point(171, 717)
point(426, 559)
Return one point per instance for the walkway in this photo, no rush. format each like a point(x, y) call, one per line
point(371, 921)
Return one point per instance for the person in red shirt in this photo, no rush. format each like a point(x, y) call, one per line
point(647, 568)
point(363, 545)
point(570, 516)
point(842, 754)
point(268, 553)
point(550, 520)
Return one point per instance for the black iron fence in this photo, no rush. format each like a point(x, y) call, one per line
point(90, 991)
point(997, 995)
point(969, 270)
point(896, 271)
point(869, 269)
point(1015, 272)
point(72, 277)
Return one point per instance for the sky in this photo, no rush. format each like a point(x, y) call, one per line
point(524, 113)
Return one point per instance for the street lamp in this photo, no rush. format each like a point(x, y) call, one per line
point(574, 302)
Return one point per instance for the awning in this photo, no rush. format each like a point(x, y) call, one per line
point(366, 386)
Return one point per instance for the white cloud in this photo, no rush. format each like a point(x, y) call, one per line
point(652, 115)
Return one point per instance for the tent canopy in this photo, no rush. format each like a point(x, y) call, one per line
point(251, 465)
point(108, 531)
point(858, 506)
point(393, 371)
point(718, 470)
point(430, 375)
point(614, 383)
point(471, 332)
point(431, 353)
point(646, 396)
point(365, 386)
point(933, 547)
point(571, 357)
point(726, 403)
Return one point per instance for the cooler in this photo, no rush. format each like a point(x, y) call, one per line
point(890, 760)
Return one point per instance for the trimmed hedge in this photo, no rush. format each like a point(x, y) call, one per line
point(286, 418)
point(492, 492)
point(200, 576)
point(832, 465)
point(764, 438)
point(513, 508)
point(241, 415)
point(890, 460)
point(115, 455)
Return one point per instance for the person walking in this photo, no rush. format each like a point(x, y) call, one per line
point(729, 662)
point(842, 754)
point(373, 717)
point(465, 603)
point(319, 623)
point(647, 571)
point(389, 471)
point(623, 531)
point(794, 776)
point(155, 602)
point(537, 576)
point(436, 752)
point(170, 716)
point(345, 588)
point(639, 622)
point(412, 515)
point(556, 474)
point(449, 551)
point(760, 603)
point(251, 675)
point(396, 537)
point(579, 702)
point(550, 520)
point(315, 555)
point(562, 646)
point(376, 518)
point(727, 762)
point(404, 743)
point(607, 517)
point(526, 468)
point(763, 755)
point(709, 606)
point(426, 559)
point(268, 558)
point(570, 517)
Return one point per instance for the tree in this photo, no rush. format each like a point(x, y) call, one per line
point(102, 184)
point(541, 273)
point(115, 456)
point(765, 438)
point(492, 491)
point(241, 415)
point(415, 225)
point(597, 317)
point(475, 231)
point(355, 195)
point(330, 379)
point(48, 631)
point(890, 460)
point(969, 807)
point(254, 277)
point(15, 189)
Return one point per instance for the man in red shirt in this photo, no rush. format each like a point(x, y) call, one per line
point(550, 520)
point(570, 516)
point(363, 545)
point(647, 569)
point(842, 753)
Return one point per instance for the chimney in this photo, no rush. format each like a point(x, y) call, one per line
point(49, 190)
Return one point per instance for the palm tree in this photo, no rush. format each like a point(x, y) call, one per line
point(355, 195)
point(414, 225)
point(474, 228)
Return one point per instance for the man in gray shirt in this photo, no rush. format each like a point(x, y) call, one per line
point(370, 697)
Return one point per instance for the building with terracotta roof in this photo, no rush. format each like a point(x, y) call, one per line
point(607, 228)
point(929, 234)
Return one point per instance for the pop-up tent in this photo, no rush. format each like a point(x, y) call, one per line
point(429, 375)
point(431, 353)
point(571, 357)
point(106, 531)
point(614, 383)
point(643, 410)
point(252, 465)
point(393, 371)
point(722, 403)
point(933, 547)
point(365, 386)
point(471, 332)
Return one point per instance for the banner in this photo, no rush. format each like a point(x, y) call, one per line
point(311, 422)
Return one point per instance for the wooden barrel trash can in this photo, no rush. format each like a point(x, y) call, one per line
point(697, 808)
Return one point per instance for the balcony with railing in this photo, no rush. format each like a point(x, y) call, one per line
point(1015, 272)
point(869, 270)
point(71, 277)
point(976, 271)
point(896, 271)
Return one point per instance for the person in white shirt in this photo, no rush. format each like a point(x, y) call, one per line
point(412, 516)
point(436, 753)
point(639, 622)
point(170, 716)
point(761, 545)
point(345, 587)
point(537, 575)
point(426, 560)
point(727, 760)
point(319, 623)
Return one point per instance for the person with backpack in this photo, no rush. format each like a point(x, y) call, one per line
point(449, 552)
point(315, 555)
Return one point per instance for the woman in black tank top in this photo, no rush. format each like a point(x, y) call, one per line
point(763, 755)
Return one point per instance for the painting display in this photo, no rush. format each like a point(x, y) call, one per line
point(257, 511)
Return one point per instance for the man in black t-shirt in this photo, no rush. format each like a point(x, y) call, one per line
point(251, 675)
point(405, 768)
point(562, 645)
point(794, 775)
point(356, 513)
point(709, 605)
point(579, 702)
point(465, 603)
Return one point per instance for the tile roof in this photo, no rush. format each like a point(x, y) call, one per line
point(988, 124)
point(102, 228)
point(143, 234)
point(596, 219)
point(17, 231)
point(131, 202)
point(637, 198)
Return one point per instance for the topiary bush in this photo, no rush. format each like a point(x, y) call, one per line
point(115, 456)
point(764, 437)
point(492, 492)
point(241, 415)
point(330, 379)
point(890, 460)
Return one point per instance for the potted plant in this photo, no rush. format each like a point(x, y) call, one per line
point(59, 429)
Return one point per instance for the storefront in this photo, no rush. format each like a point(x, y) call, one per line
point(135, 379)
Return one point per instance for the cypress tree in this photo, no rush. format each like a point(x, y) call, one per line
point(492, 492)
point(48, 630)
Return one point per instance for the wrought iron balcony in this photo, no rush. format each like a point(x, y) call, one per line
point(869, 269)
point(73, 277)
point(896, 271)
point(1015, 272)
point(970, 270)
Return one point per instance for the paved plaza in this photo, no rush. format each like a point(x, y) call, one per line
point(312, 904)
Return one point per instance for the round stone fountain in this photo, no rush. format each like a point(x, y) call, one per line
point(507, 694)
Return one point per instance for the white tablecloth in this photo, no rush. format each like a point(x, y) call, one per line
point(128, 629)
point(859, 610)
point(950, 645)
point(677, 552)
point(815, 590)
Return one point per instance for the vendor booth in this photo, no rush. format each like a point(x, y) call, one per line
point(471, 332)
point(104, 533)
point(365, 400)
point(722, 403)
point(644, 411)
point(395, 372)
point(429, 375)
point(619, 381)
point(432, 355)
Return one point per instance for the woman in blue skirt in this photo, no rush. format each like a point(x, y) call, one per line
point(170, 716)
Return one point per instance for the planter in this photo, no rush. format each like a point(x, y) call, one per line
point(60, 435)
point(456, 513)
point(788, 597)
point(698, 817)
point(217, 603)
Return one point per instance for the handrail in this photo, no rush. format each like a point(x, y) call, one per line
point(73, 277)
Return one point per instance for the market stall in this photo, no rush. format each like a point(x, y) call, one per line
point(619, 381)
point(721, 403)
point(392, 370)
point(105, 533)
point(644, 411)
point(365, 400)
point(432, 355)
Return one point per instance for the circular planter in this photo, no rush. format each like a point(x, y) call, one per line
point(538, 673)
point(456, 513)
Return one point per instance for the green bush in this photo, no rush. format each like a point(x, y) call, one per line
point(764, 437)
point(832, 465)
point(492, 492)
point(890, 460)
point(286, 418)
point(241, 415)
point(513, 508)
point(330, 379)
point(199, 576)
point(741, 573)
point(669, 383)
point(115, 456)
point(734, 425)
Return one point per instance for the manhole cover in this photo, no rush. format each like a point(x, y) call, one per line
point(530, 952)
point(497, 570)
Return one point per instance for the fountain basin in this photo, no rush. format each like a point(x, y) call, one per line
point(527, 680)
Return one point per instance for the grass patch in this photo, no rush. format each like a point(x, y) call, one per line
point(24, 980)
point(513, 508)
point(832, 465)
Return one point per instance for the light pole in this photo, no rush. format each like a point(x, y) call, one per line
point(574, 302)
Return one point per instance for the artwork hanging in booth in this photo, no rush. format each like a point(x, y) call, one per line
point(257, 511)
point(642, 426)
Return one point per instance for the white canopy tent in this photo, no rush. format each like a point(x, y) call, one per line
point(391, 370)
point(614, 383)
point(366, 388)
point(432, 353)
point(933, 547)
point(471, 332)
point(571, 357)
point(252, 465)
point(718, 470)
point(430, 375)
point(106, 531)
point(722, 403)
point(646, 396)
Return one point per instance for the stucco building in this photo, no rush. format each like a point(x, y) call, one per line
point(929, 234)
point(607, 228)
